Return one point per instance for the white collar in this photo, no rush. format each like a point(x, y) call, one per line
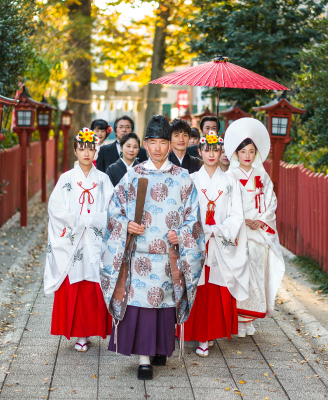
point(79, 170)
point(150, 165)
point(126, 164)
point(247, 173)
point(180, 159)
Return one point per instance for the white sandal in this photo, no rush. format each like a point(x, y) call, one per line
point(81, 347)
point(201, 352)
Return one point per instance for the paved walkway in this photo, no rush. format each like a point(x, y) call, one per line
point(286, 359)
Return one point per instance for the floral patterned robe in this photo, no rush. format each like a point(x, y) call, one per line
point(171, 204)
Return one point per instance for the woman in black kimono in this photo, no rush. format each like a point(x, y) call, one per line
point(130, 146)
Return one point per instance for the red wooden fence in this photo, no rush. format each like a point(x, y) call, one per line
point(302, 213)
point(10, 172)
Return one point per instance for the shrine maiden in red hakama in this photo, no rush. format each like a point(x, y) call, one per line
point(259, 202)
point(225, 277)
point(77, 222)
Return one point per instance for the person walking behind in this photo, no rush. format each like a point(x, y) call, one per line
point(180, 138)
point(194, 137)
point(224, 162)
point(130, 145)
point(110, 153)
point(102, 129)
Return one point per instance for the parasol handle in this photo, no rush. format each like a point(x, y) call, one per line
point(218, 112)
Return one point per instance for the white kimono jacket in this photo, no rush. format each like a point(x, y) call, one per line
point(77, 222)
point(227, 254)
point(267, 266)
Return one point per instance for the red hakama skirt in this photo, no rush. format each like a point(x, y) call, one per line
point(80, 311)
point(213, 315)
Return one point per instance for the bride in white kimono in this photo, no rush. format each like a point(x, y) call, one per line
point(247, 145)
point(225, 277)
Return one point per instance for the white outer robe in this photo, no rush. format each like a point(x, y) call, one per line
point(75, 236)
point(228, 263)
point(266, 260)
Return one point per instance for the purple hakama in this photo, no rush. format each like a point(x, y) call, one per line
point(145, 331)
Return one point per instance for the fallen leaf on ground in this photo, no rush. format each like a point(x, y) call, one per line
point(73, 391)
point(239, 352)
point(94, 376)
point(227, 388)
point(242, 382)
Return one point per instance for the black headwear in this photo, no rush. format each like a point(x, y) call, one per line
point(158, 128)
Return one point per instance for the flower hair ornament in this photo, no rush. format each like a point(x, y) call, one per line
point(109, 130)
point(211, 140)
point(86, 138)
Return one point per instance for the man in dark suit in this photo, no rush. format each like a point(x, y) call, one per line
point(110, 153)
point(180, 138)
point(207, 124)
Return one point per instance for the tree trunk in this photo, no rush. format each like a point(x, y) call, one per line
point(158, 59)
point(79, 71)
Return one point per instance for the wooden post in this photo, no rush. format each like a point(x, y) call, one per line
point(23, 141)
point(65, 146)
point(44, 133)
point(56, 156)
point(278, 146)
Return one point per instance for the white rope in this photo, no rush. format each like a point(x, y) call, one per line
point(115, 323)
point(181, 352)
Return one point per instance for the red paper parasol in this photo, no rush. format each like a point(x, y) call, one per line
point(220, 73)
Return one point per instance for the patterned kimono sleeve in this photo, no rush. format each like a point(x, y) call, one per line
point(191, 240)
point(114, 240)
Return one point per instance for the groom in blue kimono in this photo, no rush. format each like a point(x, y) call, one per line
point(152, 288)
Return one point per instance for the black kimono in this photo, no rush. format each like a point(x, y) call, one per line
point(108, 155)
point(190, 163)
point(117, 170)
point(193, 150)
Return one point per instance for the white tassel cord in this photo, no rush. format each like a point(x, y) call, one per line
point(181, 352)
point(115, 323)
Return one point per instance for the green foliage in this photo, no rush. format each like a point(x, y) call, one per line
point(264, 36)
point(10, 140)
point(312, 82)
point(16, 53)
point(116, 39)
point(314, 272)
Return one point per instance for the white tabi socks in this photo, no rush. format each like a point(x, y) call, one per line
point(144, 360)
